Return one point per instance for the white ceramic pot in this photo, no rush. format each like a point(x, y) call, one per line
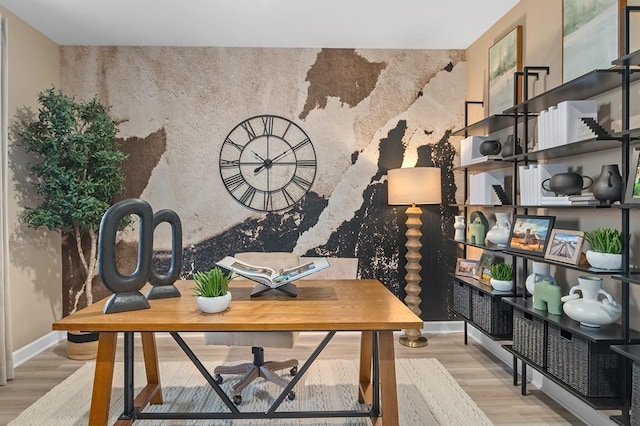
point(501, 285)
point(541, 272)
point(212, 305)
point(588, 310)
point(604, 260)
point(459, 226)
point(499, 233)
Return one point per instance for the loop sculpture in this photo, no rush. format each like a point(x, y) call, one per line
point(162, 284)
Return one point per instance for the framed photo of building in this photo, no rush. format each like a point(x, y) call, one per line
point(565, 246)
point(505, 58)
point(632, 193)
point(466, 267)
point(591, 36)
point(530, 234)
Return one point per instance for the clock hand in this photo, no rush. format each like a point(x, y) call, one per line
point(268, 163)
point(257, 156)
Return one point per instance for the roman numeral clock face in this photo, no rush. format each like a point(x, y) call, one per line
point(267, 163)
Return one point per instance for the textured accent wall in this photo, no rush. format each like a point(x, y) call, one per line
point(365, 111)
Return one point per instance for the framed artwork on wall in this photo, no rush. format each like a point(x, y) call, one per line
point(505, 58)
point(590, 35)
point(530, 234)
point(632, 193)
point(565, 246)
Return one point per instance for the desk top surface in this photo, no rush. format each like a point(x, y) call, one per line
point(321, 305)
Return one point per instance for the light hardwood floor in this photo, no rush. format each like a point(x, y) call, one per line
point(487, 380)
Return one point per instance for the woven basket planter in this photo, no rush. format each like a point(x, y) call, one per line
point(528, 336)
point(491, 314)
point(591, 368)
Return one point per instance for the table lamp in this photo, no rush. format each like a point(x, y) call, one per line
point(414, 186)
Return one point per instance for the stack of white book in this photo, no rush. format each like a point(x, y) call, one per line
point(561, 124)
point(530, 179)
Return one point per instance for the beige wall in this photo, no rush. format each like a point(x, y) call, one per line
point(34, 256)
point(542, 46)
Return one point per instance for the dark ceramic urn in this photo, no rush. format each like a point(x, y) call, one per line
point(490, 147)
point(569, 183)
point(608, 186)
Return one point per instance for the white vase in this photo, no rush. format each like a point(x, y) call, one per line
point(604, 260)
point(541, 272)
point(212, 305)
point(501, 285)
point(459, 226)
point(499, 233)
point(588, 310)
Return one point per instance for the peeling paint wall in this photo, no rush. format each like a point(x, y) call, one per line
point(365, 111)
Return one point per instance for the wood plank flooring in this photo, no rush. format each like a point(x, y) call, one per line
point(487, 380)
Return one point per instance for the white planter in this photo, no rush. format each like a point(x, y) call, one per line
point(604, 260)
point(212, 305)
point(501, 285)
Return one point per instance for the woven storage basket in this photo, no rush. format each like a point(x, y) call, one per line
point(462, 299)
point(591, 368)
point(491, 314)
point(635, 395)
point(528, 336)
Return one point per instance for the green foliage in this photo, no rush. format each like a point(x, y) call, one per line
point(502, 271)
point(78, 168)
point(604, 240)
point(212, 283)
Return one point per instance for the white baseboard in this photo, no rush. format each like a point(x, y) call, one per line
point(32, 349)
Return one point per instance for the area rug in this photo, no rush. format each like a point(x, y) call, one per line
point(427, 395)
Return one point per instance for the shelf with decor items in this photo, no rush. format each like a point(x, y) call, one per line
point(480, 305)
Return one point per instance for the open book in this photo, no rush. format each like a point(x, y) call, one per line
point(270, 277)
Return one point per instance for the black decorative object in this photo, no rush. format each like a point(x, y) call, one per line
point(162, 284)
point(267, 163)
point(490, 147)
point(508, 149)
point(126, 289)
point(608, 186)
point(502, 196)
point(568, 183)
point(596, 128)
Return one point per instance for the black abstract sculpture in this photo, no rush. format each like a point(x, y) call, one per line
point(162, 284)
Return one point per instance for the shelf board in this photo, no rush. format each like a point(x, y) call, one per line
point(583, 268)
point(483, 205)
point(632, 278)
point(632, 58)
point(571, 149)
point(488, 247)
point(584, 87)
point(607, 333)
point(621, 420)
point(599, 403)
point(630, 351)
point(493, 164)
point(487, 125)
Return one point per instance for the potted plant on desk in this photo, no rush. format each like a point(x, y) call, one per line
point(606, 248)
point(212, 290)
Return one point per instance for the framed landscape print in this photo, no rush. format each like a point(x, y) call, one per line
point(565, 246)
point(505, 58)
point(590, 35)
point(530, 234)
point(482, 271)
point(466, 267)
point(632, 193)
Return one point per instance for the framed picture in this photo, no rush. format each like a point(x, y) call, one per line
point(632, 194)
point(505, 58)
point(466, 267)
point(591, 36)
point(530, 234)
point(565, 246)
point(482, 271)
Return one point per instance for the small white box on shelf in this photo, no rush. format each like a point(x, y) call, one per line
point(481, 188)
point(470, 150)
point(570, 126)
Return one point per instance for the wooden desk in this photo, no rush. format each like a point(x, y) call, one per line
point(321, 305)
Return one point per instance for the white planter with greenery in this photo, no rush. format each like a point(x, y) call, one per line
point(212, 290)
point(502, 276)
point(606, 245)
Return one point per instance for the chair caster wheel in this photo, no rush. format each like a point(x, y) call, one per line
point(291, 396)
point(218, 379)
point(237, 399)
point(294, 371)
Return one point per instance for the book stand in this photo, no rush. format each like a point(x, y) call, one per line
point(289, 289)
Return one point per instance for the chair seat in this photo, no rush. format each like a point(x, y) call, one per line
point(268, 339)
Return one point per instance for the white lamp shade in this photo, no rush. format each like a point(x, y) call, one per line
point(414, 185)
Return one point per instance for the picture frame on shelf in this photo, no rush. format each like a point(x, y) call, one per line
point(505, 58)
point(530, 234)
point(565, 246)
point(632, 193)
point(482, 271)
point(466, 267)
point(591, 35)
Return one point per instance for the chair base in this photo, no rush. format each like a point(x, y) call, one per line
point(258, 368)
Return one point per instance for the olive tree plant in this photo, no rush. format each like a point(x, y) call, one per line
point(77, 171)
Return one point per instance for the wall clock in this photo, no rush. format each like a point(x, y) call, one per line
point(267, 163)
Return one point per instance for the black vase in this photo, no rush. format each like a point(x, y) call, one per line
point(508, 149)
point(490, 147)
point(608, 186)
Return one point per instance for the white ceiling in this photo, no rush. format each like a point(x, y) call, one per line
point(408, 24)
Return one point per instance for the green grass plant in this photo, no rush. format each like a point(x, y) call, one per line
point(604, 240)
point(502, 271)
point(212, 283)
